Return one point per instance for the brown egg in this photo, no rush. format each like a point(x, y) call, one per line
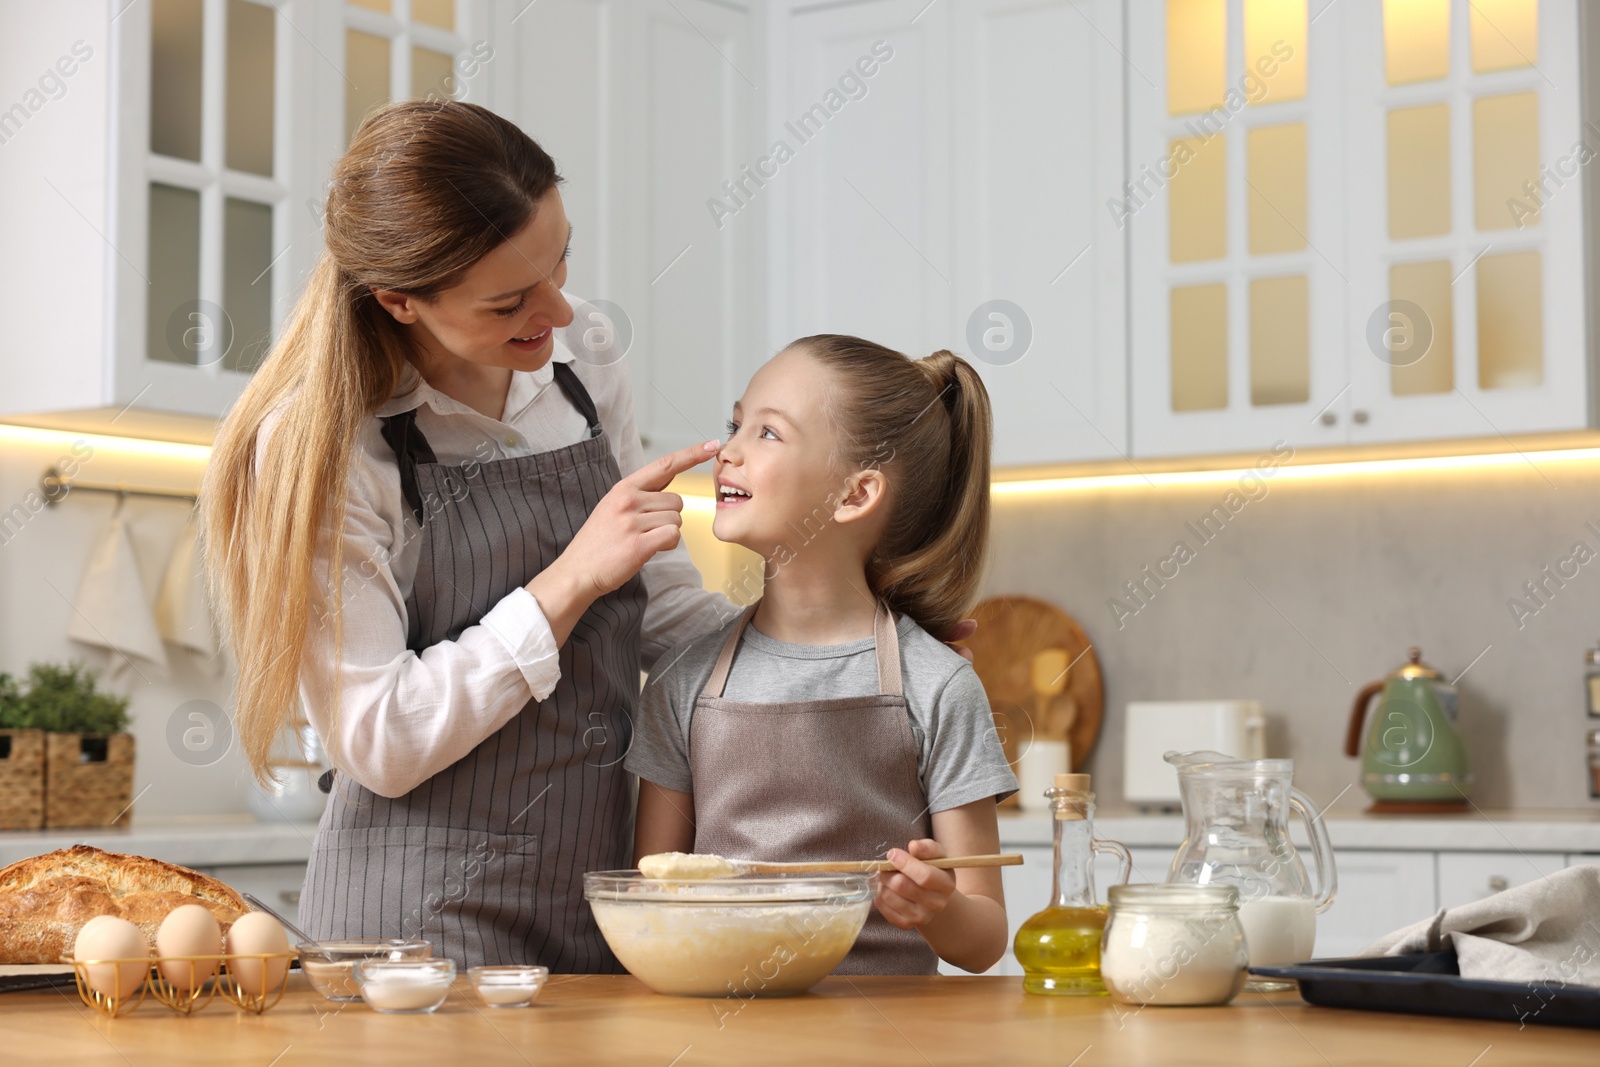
point(252, 933)
point(108, 937)
point(190, 930)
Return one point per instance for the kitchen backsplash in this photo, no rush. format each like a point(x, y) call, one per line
point(1295, 592)
point(1300, 591)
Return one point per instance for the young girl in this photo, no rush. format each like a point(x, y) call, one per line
point(827, 722)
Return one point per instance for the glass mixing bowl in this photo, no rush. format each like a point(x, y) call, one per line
point(751, 936)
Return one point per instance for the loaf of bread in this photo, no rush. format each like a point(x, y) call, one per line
point(45, 900)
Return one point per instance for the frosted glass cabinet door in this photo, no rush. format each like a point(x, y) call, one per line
point(1234, 211)
point(1466, 295)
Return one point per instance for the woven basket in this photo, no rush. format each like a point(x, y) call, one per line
point(21, 779)
point(83, 789)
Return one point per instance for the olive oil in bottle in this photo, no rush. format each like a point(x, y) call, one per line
point(1059, 948)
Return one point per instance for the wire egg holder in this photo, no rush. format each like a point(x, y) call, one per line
point(219, 975)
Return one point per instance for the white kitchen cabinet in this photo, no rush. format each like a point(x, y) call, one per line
point(1324, 243)
point(1493, 272)
point(1468, 876)
point(653, 112)
point(1378, 892)
point(955, 199)
point(161, 202)
point(683, 253)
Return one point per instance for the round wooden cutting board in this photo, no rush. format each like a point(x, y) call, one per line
point(1012, 632)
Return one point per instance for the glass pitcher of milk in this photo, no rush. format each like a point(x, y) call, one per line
point(1236, 832)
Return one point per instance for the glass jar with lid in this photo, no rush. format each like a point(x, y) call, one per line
point(1174, 944)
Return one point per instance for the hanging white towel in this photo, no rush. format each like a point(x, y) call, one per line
point(111, 610)
point(181, 610)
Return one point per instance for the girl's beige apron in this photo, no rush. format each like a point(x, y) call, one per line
point(486, 858)
point(814, 780)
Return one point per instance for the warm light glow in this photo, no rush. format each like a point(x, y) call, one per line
point(132, 447)
point(1292, 471)
point(1289, 471)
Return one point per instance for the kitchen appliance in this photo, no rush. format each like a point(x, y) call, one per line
point(1236, 832)
point(1413, 759)
point(1156, 727)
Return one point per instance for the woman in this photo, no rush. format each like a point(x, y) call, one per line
point(473, 671)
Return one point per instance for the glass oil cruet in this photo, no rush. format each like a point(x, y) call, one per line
point(1059, 948)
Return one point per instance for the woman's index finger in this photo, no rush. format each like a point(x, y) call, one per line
point(655, 475)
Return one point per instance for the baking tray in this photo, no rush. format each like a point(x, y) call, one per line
point(1430, 983)
point(17, 978)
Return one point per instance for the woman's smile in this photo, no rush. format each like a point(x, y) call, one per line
point(532, 342)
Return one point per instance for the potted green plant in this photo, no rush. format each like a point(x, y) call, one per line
point(21, 763)
point(88, 753)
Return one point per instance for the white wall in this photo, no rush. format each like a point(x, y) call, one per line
point(42, 556)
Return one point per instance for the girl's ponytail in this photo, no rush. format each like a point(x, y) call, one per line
point(927, 423)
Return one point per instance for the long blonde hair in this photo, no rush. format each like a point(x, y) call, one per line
point(926, 423)
point(425, 190)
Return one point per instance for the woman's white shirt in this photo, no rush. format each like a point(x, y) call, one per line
point(403, 716)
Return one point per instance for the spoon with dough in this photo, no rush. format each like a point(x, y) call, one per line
point(689, 866)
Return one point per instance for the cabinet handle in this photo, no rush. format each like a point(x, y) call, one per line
point(1329, 418)
point(1359, 416)
point(644, 442)
point(291, 897)
point(1498, 883)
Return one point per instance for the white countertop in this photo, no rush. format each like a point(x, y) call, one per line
point(243, 840)
point(1526, 830)
point(217, 841)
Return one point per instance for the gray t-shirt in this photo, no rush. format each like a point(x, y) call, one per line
point(959, 757)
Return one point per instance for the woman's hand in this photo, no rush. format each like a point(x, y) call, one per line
point(916, 892)
point(632, 522)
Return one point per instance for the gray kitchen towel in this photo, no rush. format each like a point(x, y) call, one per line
point(1547, 930)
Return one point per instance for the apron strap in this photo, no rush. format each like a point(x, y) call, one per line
point(410, 448)
point(885, 637)
point(567, 378)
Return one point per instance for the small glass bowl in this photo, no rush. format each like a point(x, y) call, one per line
point(404, 987)
point(328, 965)
point(509, 986)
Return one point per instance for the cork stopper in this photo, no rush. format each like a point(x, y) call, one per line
point(1070, 783)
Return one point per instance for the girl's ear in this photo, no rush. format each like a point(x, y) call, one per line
point(401, 306)
point(864, 495)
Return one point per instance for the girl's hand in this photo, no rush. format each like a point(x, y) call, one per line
point(916, 892)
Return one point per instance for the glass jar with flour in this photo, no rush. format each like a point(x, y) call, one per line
point(1174, 944)
point(1236, 832)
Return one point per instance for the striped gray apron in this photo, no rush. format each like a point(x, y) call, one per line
point(486, 858)
point(828, 779)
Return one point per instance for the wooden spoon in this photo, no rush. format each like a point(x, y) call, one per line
point(732, 868)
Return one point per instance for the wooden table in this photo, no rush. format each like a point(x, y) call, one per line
point(877, 1021)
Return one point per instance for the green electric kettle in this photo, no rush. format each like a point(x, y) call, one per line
point(1413, 752)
